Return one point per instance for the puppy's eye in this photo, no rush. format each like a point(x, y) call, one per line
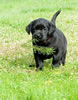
point(44, 29)
point(39, 27)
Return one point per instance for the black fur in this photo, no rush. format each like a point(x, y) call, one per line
point(48, 36)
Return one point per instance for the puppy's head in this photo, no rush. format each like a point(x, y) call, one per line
point(41, 29)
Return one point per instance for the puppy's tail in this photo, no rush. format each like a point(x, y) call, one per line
point(55, 16)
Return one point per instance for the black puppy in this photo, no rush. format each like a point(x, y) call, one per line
point(48, 36)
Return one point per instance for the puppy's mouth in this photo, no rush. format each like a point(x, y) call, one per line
point(38, 38)
point(40, 41)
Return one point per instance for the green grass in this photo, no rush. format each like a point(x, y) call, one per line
point(17, 80)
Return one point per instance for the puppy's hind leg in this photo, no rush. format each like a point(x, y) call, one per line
point(63, 59)
point(56, 63)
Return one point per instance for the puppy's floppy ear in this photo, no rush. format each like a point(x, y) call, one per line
point(52, 28)
point(28, 28)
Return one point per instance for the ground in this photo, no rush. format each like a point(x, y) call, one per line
point(17, 80)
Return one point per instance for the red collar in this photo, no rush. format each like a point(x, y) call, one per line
point(48, 38)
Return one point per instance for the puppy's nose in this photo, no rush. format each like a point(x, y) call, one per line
point(38, 36)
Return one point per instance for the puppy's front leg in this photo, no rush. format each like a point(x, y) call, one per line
point(39, 62)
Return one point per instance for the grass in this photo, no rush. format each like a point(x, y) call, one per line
point(17, 80)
